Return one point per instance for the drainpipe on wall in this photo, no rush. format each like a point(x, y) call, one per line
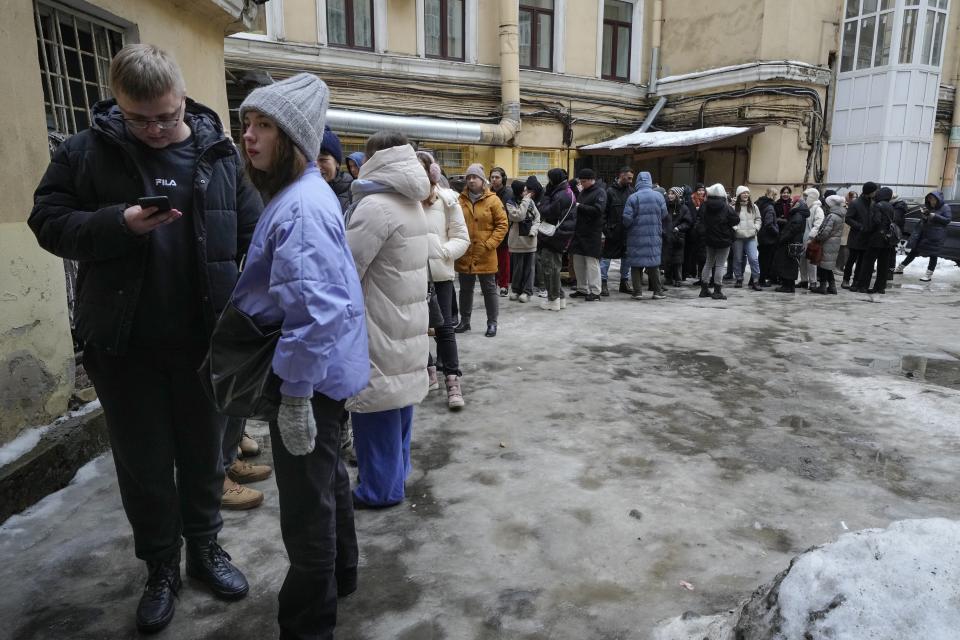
point(953, 146)
point(949, 179)
point(362, 122)
point(655, 53)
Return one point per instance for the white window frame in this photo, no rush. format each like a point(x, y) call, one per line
point(636, 40)
point(276, 29)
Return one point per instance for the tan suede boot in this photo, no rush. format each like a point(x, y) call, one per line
point(237, 497)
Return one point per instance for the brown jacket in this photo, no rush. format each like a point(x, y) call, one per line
point(487, 225)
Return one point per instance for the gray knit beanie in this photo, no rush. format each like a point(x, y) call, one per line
point(476, 169)
point(299, 107)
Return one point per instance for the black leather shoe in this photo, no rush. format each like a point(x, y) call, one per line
point(210, 564)
point(626, 287)
point(463, 327)
point(592, 297)
point(156, 606)
point(578, 294)
point(491, 329)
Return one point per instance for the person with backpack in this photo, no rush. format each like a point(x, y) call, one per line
point(933, 230)
point(880, 234)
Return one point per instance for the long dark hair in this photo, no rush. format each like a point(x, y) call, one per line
point(288, 165)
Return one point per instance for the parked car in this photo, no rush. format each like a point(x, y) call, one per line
point(951, 243)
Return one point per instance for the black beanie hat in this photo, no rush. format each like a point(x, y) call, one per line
point(517, 187)
point(868, 188)
point(534, 185)
point(884, 194)
point(587, 174)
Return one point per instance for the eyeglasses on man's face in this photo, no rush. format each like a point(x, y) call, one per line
point(164, 123)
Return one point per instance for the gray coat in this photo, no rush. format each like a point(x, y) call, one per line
point(829, 236)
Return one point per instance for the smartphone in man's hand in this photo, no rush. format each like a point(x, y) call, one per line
point(162, 203)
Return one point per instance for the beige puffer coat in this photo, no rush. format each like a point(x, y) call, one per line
point(387, 233)
point(448, 237)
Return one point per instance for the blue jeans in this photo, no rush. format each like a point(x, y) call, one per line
point(624, 268)
point(746, 246)
point(382, 442)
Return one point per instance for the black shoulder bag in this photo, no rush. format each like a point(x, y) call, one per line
point(237, 373)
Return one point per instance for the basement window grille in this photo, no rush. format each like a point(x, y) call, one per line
point(75, 52)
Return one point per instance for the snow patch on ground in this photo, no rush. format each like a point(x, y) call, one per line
point(50, 506)
point(31, 437)
point(901, 582)
point(885, 584)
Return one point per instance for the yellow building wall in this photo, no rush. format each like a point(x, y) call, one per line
point(776, 159)
point(782, 40)
point(300, 20)
point(402, 27)
point(488, 32)
point(581, 36)
point(705, 34)
point(36, 350)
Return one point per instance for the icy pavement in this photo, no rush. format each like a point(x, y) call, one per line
point(617, 464)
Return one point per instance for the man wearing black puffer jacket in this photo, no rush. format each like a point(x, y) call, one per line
point(614, 236)
point(151, 285)
point(585, 249)
point(858, 215)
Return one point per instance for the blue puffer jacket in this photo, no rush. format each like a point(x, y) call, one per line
point(930, 237)
point(643, 218)
point(300, 275)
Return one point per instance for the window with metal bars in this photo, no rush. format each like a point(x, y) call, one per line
point(75, 52)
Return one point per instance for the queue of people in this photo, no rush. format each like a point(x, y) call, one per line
point(351, 271)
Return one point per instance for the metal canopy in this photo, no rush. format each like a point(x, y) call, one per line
point(659, 143)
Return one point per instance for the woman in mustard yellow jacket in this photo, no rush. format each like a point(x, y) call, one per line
point(487, 225)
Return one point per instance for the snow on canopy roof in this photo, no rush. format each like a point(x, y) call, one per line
point(656, 139)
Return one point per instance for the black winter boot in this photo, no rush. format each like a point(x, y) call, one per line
point(604, 290)
point(718, 293)
point(156, 606)
point(625, 286)
point(821, 288)
point(463, 327)
point(704, 291)
point(210, 564)
point(755, 285)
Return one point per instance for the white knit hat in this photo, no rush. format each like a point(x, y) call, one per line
point(742, 189)
point(299, 107)
point(717, 190)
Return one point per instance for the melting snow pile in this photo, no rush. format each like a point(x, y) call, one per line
point(877, 584)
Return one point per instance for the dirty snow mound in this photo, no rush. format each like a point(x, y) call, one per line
point(876, 584)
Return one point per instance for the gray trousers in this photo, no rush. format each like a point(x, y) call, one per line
point(716, 263)
point(588, 273)
point(552, 264)
point(491, 295)
point(523, 268)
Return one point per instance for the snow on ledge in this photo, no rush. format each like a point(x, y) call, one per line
point(27, 440)
point(657, 139)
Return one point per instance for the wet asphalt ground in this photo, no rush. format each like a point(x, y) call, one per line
point(617, 464)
